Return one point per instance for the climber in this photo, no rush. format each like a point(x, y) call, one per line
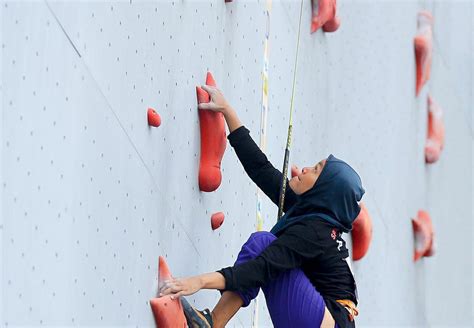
point(302, 263)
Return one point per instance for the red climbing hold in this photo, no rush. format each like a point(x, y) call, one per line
point(213, 142)
point(361, 233)
point(423, 229)
point(154, 118)
point(324, 16)
point(216, 220)
point(423, 48)
point(168, 313)
point(435, 139)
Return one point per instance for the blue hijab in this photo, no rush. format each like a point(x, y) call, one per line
point(333, 198)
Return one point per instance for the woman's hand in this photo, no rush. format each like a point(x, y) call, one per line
point(217, 102)
point(181, 287)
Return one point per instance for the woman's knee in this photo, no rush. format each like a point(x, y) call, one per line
point(256, 243)
point(262, 236)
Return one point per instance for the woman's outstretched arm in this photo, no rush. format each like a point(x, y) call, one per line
point(254, 161)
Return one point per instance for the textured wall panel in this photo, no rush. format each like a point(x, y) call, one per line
point(1, 166)
point(90, 195)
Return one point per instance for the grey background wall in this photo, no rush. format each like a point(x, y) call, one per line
point(90, 196)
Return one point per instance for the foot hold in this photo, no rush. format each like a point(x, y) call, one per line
point(168, 313)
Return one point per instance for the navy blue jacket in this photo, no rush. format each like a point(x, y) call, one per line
point(306, 237)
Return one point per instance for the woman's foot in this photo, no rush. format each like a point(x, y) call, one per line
point(196, 318)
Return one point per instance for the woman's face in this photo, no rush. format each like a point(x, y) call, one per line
point(305, 179)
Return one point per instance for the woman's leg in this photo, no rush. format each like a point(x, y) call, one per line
point(231, 302)
point(291, 298)
point(226, 308)
point(293, 301)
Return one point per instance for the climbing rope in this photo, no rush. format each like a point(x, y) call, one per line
point(290, 128)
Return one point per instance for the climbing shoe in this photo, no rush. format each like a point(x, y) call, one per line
point(196, 318)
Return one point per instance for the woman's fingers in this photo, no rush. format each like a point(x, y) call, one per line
point(208, 105)
point(217, 101)
point(174, 296)
point(209, 89)
point(170, 286)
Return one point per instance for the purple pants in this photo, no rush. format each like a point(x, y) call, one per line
point(291, 298)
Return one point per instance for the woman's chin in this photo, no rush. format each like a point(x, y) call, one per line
point(292, 186)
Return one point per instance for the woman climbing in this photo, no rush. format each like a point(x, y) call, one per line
point(301, 264)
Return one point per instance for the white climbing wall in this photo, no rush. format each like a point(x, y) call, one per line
point(91, 196)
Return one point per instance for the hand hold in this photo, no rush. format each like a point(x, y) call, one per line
point(423, 49)
point(168, 313)
point(213, 142)
point(423, 231)
point(216, 220)
point(435, 139)
point(361, 233)
point(325, 16)
point(154, 118)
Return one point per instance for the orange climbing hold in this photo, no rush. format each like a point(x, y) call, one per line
point(213, 141)
point(324, 15)
point(423, 48)
point(361, 233)
point(423, 230)
point(435, 139)
point(154, 118)
point(216, 220)
point(168, 313)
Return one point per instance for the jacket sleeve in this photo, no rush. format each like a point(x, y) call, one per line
point(259, 168)
point(297, 245)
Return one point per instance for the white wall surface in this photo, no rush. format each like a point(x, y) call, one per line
point(91, 196)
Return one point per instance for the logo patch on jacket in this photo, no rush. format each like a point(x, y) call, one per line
point(333, 234)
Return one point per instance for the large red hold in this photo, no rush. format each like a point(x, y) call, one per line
point(361, 233)
point(423, 231)
point(324, 16)
point(168, 313)
point(423, 48)
point(435, 139)
point(213, 141)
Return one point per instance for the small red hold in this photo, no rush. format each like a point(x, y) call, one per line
point(154, 118)
point(324, 16)
point(435, 134)
point(361, 233)
point(424, 235)
point(216, 220)
point(168, 313)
